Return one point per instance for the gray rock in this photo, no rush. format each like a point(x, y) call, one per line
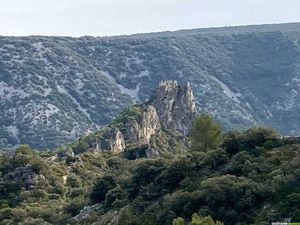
point(151, 153)
point(175, 105)
point(85, 212)
point(26, 174)
point(112, 141)
point(68, 152)
point(141, 133)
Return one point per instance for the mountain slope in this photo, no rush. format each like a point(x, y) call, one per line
point(55, 88)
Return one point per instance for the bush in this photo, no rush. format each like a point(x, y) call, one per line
point(197, 220)
point(115, 197)
point(253, 140)
point(74, 206)
point(101, 187)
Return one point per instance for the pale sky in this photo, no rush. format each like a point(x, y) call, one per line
point(115, 17)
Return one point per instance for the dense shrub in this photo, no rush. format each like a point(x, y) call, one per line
point(101, 187)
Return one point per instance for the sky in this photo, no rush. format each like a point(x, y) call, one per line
point(117, 17)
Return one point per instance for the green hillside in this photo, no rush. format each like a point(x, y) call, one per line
point(55, 89)
point(141, 170)
point(252, 178)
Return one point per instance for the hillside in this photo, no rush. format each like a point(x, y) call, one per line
point(54, 89)
point(142, 169)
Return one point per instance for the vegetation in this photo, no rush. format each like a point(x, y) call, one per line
point(234, 72)
point(251, 178)
point(206, 134)
point(197, 220)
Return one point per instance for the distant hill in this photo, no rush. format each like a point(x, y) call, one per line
point(54, 89)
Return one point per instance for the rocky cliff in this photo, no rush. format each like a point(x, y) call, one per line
point(172, 106)
point(138, 130)
point(112, 140)
point(142, 131)
point(175, 105)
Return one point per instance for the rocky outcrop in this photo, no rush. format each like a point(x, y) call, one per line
point(149, 125)
point(86, 211)
point(66, 153)
point(172, 106)
point(26, 174)
point(175, 105)
point(137, 131)
point(111, 141)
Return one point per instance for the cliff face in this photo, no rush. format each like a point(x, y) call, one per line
point(142, 132)
point(171, 106)
point(112, 141)
point(175, 105)
point(137, 131)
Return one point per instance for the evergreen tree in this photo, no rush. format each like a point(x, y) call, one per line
point(206, 133)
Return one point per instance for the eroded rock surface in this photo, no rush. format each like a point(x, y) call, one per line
point(112, 141)
point(175, 105)
point(148, 126)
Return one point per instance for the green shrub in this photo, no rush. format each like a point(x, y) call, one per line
point(74, 206)
point(101, 187)
point(115, 197)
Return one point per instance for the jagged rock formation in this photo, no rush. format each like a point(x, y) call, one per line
point(172, 106)
point(175, 105)
point(112, 141)
point(136, 131)
point(141, 132)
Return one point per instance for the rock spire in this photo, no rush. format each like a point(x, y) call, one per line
point(175, 105)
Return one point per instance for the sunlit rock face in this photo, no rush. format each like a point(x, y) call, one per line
point(134, 132)
point(172, 106)
point(112, 141)
point(175, 105)
point(142, 131)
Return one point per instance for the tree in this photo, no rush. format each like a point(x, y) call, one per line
point(206, 134)
point(178, 221)
point(196, 220)
point(207, 220)
point(102, 186)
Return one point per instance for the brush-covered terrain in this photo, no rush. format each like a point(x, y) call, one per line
point(55, 89)
point(249, 177)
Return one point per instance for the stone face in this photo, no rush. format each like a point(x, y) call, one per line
point(142, 132)
point(132, 131)
point(137, 132)
point(112, 141)
point(175, 105)
point(150, 123)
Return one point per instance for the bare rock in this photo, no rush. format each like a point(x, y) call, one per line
point(112, 141)
point(26, 174)
point(141, 132)
point(175, 105)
